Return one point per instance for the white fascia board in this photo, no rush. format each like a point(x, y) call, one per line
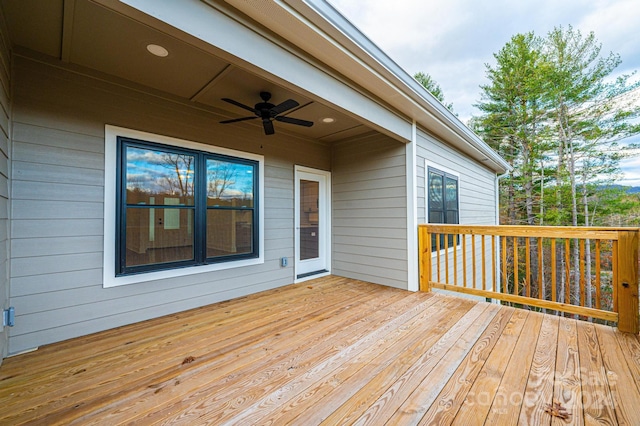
point(218, 31)
point(349, 51)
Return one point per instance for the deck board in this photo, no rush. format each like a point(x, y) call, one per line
point(332, 351)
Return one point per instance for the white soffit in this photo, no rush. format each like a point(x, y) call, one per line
point(207, 23)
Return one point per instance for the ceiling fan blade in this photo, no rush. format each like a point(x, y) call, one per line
point(297, 121)
point(268, 127)
point(286, 105)
point(238, 104)
point(235, 120)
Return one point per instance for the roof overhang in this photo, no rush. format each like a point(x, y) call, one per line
point(319, 29)
point(315, 49)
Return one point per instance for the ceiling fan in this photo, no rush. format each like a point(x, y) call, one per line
point(268, 112)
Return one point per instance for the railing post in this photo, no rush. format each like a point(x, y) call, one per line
point(424, 243)
point(627, 285)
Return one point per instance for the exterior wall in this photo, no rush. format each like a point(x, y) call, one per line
point(57, 242)
point(477, 198)
point(476, 184)
point(5, 149)
point(370, 210)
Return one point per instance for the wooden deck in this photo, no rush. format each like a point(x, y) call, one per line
point(332, 351)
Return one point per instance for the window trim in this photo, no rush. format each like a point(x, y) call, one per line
point(110, 207)
point(447, 171)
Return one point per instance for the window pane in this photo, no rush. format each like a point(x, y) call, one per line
point(452, 216)
point(158, 236)
point(229, 184)
point(229, 232)
point(435, 191)
point(153, 175)
point(452, 194)
point(309, 219)
point(436, 216)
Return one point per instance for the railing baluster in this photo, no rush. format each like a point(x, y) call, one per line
point(554, 270)
point(494, 278)
point(582, 274)
point(464, 259)
point(455, 259)
point(614, 284)
point(540, 267)
point(473, 260)
point(438, 255)
point(598, 284)
point(567, 271)
point(504, 265)
point(446, 258)
point(515, 266)
point(484, 264)
point(527, 281)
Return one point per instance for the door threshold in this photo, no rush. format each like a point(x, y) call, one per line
point(302, 277)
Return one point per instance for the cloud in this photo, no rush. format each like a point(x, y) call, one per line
point(453, 40)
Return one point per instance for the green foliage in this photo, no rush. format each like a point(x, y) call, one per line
point(432, 86)
point(553, 110)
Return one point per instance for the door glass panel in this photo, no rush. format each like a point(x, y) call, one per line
point(309, 219)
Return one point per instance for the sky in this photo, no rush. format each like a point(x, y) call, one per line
point(453, 40)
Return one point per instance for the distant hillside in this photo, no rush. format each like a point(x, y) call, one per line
point(630, 189)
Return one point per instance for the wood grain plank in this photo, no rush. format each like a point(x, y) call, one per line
point(405, 364)
point(596, 394)
point(424, 395)
point(228, 312)
point(333, 350)
point(450, 399)
point(411, 394)
point(507, 404)
point(325, 397)
point(630, 345)
point(624, 391)
point(477, 403)
point(252, 342)
point(217, 400)
point(539, 390)
point(567, 388)
point(356, 386)
point(134, 364)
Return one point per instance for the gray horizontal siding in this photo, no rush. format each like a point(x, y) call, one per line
point(5, 173)
point(369, 210)
point(476, 183)
point(477, 202)
point(57, 226)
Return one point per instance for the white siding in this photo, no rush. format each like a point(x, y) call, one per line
point(5, 149)
point(56, 275)
point(369, 210)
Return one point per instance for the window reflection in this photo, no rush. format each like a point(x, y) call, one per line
point(183, 206)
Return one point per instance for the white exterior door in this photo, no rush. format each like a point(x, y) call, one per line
point(312, 223)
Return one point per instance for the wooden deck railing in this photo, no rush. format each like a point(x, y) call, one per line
point(586, 271)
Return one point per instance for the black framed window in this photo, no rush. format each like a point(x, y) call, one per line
point(180, 207)
point(442, 200)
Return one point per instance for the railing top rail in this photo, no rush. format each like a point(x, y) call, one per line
point(596, 233)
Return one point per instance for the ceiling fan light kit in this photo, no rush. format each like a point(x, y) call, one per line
point(268, 112)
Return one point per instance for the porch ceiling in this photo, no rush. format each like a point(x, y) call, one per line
point(90, 35)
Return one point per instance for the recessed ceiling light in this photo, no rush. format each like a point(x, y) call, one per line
point(157, 50)
point(328, 120)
